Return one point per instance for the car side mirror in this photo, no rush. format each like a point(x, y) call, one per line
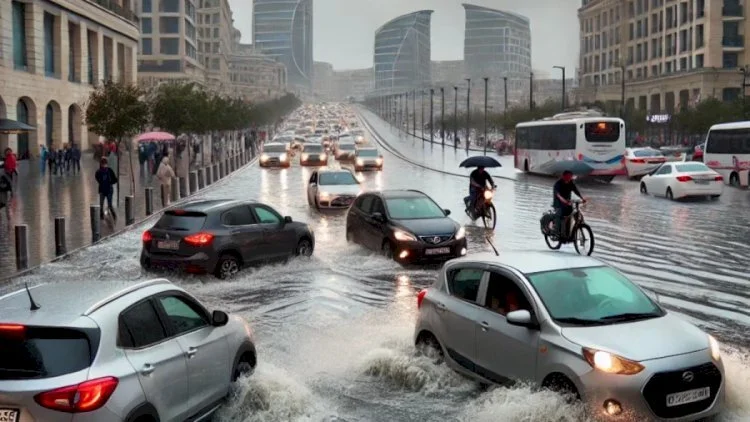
point(379, 217)
point(287, 219)
point(219, 318)
point(447, 212)
point(522, 318)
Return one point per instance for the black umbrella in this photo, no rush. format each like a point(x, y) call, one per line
point(480, 161)
point(9, 127)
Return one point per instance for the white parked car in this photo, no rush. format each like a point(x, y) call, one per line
point(682, 180)
point(332, 189)
point(641, 161)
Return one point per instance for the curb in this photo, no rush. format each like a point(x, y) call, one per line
point(128, 228)
point(402, 157)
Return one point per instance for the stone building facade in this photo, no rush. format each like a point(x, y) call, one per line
point(52, 53)
point(254, 76)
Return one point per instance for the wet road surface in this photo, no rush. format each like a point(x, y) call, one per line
point(335, 332)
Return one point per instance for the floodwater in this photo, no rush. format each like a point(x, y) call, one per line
point(335, 332)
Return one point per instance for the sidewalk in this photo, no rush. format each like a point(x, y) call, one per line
point(434, 156)
point(39, 198)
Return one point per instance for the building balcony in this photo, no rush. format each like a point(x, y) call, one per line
point(732, 11)
point(734, 41)
point(118, 10)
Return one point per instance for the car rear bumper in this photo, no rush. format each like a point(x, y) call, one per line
point(283, 164)
point(368, 166)
point(200, 262)
point(418, 252)
point(313, 162)
point(693, 189)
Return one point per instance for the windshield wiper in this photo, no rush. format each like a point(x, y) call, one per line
point(580, 321)
point(630, 316)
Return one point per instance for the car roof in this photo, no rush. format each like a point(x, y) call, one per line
point(208, 205)
point(401, 193)
point(534, 261)
point(322, 171)
point(63, 304)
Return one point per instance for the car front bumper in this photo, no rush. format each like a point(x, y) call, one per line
point(368, 165)
point(644, 396)
point(198, 263)
point(414, 252)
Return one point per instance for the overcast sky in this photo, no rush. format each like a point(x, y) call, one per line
point(343, 30)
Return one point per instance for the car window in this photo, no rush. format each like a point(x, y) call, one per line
point(664, 170)
point(181, 220)
point(413, 208)
point(647, 153)
point(43, 352)
point(238, 216)
point(366, 204)
point(504, 295)
point(338, 178)
point(367, 153)
point(690, 167)
point(314, 177)
point(590, 293)
point(267, 216)
point(377, 206)
point(464, 283)
point(139, 326)
point(184, 315)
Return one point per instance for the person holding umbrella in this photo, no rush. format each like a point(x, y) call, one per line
point(479, 179)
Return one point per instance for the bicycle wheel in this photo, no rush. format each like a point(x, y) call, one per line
point(489, 217)
point(583, 240)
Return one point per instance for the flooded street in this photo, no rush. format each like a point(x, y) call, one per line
point(335, 332)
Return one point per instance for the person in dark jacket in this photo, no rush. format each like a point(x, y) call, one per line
point(75, 156)
point(107, 179)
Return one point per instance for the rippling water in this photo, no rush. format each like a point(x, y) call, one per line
point(335, 332)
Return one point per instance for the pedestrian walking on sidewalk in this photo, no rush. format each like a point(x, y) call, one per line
point(11, 164)
point(6, 191)
point(107, 179)
point(75, 156)
point(165, 173)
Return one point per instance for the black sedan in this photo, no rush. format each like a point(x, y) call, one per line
point(405, 225)
point(222, 236)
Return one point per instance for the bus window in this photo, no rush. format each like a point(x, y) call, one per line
point(728, 141)
point(602, 132)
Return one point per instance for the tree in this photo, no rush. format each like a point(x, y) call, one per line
point(115, 110)
point(172, 107)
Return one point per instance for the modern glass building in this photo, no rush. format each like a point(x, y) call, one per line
point(497, 43)
point(402, 56)
point(283, 30)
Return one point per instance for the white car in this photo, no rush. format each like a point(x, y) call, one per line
point(359, 136)
point(275, 154)
point(682, 180)
point(332, 189)
point(345, 151)
point(641, 161)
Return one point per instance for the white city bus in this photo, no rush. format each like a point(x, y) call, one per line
point(727, 151)
point(585, 137)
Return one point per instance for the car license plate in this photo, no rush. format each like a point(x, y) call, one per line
point(686, 397)
point(168, 244)
point(437, 251)
point(9, 415)
point(701, 182)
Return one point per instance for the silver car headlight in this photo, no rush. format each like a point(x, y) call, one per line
point(283, 157)
point(360, 162)
point(611, 363)
point(404, 236)
point(715, 348)
point(264, 157)
point(461, 233)
point(305, 157)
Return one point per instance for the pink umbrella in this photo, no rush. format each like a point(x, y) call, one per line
point(155, 137)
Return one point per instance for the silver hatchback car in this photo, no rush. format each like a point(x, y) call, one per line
point(571, 324)
point(106, 351)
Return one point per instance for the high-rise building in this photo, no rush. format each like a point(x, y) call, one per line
point(497, 45)
point(323, 81)
point(355, 83)
point(169, 42)
point(283, 30)
point(215, 42)
point(52, 53)
point(672, 54)
point(253, 76)
point(402, 57)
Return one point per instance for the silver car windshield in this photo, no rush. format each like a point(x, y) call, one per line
point(339, 178)
point(413, 208)
point(274, 148)
point(592, 295)
point(368, 153)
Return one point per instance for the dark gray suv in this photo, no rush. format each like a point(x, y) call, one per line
point(221, 236)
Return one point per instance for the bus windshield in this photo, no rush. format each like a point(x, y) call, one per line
point(600, 132)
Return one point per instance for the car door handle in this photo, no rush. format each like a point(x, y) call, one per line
point(440, 306)
point(147, 369)
point(485, 325)
point(191, 352)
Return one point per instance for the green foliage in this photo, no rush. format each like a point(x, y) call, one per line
point(115, 110)
point(185, 108)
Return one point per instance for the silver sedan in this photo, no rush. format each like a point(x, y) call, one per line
point(574, 325)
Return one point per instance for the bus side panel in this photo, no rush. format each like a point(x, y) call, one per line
point(727, 152)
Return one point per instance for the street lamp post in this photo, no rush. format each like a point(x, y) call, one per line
point(562, 68)
point(432, 118)
point(406, 112)
point(421, 123)
point(505, 93)
point(531, 91)
point(468, 113)
point(442, 114)
point(455, 117)
point(414, 113)
point(486, 84)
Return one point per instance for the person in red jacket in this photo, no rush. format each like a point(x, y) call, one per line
point(11, 164)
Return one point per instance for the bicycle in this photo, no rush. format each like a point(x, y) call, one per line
point(578, 233)
point(484, 208)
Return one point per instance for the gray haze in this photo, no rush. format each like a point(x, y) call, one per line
point(344, 29)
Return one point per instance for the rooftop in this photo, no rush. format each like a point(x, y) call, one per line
point(533, 261)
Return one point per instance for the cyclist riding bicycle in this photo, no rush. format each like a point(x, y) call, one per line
point(478, 180)
point(561, 201)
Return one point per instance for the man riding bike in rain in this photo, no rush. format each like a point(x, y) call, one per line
point(561, 201)
point(478, 180)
